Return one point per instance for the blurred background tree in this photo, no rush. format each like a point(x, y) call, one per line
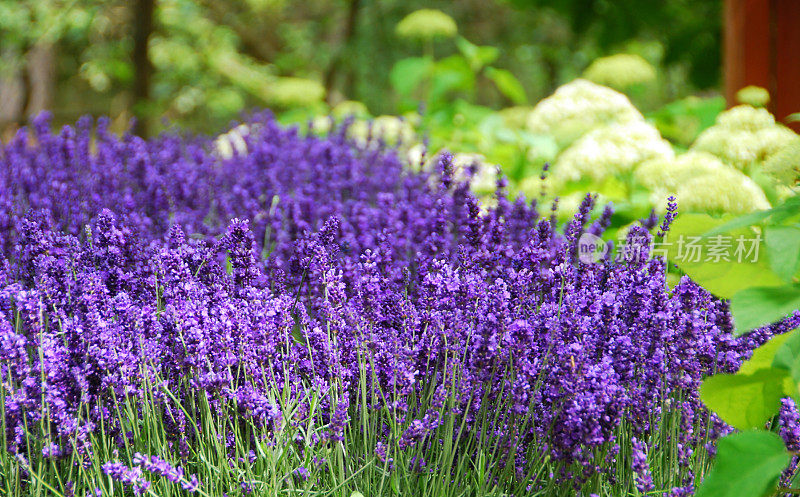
point(200, 63)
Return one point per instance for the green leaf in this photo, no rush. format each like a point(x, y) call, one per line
point(747, 465)
point(408, 74)
point(508, 84)
point(297, 334)
point(747, 401)
point(779, 213)
point(764, 356)
point(478, 57)
point(783, 249)
point(451, 74)
point(788, 357)
point(721, 277)
point(759, 306)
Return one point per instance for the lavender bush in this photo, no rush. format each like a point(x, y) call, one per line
point(369, 329)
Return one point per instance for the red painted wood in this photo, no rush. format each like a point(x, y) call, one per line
point(762, 48)
point(787, 70)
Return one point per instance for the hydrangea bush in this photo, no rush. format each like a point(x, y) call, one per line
point(299, 314)
point(596, 140)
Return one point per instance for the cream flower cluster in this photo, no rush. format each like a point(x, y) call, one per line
point(611, 150)
point(483, 177)
point(620, 71)
point(753, 95)
point(744, 136)
point(702, 183)
point(784, 166)
point(578, 107)
point(232, 142)
point(392, 130)
point(728, 191)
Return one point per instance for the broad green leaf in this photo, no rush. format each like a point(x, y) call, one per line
point(788, 357)
point(407, 74)
point(451, 74)
point(764, 356)
point(791, 207)
point(783, 249)
point(759, 306)
point(742, 264)
point(747, 401)
point(748, 464)
point(508, 84)
point(478, 57)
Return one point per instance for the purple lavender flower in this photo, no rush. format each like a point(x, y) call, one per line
point(302, 473)
point(114, 283)
point(131, 477)
point(789, 422)
point(644, 480)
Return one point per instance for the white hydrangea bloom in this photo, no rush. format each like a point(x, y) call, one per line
point(391, 129)
point(414, 156)
point(484, 179)
point(745, 145)
point(620, 71)
point(611, 150)
point(753, 95)
point(322, 124)
point(784, 165)
point(664, 173)
point(773, 140)
point(232, 142)
point(745, 117)
point(725, 191)
point(578, 107)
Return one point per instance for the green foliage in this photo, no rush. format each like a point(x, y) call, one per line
point(723, 278)
point(437, 83)
point(748, 464)
point(683, 120)
point(689, 31)
point(754, 307)
point(761, 290)
point(408, 74)
point(747, 401)
point(508, 85)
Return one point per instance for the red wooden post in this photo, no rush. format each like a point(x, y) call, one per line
point(762, 48)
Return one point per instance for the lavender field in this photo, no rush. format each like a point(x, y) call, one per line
point(310, 316)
